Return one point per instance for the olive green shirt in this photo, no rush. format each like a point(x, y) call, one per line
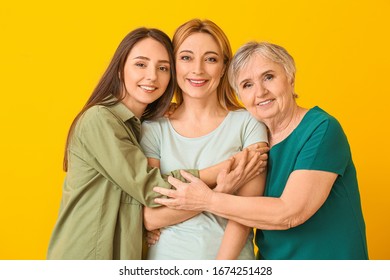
point(107, 183)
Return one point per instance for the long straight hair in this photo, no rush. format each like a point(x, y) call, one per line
point(225, 93)
point(111, 83)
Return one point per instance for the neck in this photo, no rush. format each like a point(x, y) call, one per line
point(200, 109)
point(284, 124)
point(137, 108)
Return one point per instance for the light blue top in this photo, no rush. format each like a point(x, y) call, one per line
point(201, 236)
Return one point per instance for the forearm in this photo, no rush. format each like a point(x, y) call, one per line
point(209, 175)
point(233, 241)
point(159, 217)
point(258, 212)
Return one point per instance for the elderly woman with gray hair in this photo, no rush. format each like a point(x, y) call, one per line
point(311, 208)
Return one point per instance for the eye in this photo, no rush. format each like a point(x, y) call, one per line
point(185, 58)
point(247, 85)
point(163, 68)
point(211, 59)
point(268, 77)
point(140, 64)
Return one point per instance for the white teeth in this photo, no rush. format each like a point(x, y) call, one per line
point(197, 82)
point(147, 88)
point(264, 102)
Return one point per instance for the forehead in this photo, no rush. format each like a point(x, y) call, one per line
point(200, 41)
point(258, 64)
point(150, 48)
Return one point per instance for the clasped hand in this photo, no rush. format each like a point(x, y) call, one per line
point(196, 195)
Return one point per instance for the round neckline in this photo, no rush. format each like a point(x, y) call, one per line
point(295, 129)
point(219, 127)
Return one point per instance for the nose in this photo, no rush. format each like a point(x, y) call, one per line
point(198, 67)
point(151, 73)
point(261, 90)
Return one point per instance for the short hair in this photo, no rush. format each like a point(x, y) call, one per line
point(270, 51)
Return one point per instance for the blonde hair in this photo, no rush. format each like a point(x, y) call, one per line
point(225, 94)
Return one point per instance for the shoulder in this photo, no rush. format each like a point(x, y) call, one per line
point(241, 115)
point(244, 118)
point(317, 117)
point(95, 114)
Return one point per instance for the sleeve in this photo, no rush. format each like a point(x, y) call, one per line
point(113, 153)
point(254, 132)
point(327, 149)
point(150, 140)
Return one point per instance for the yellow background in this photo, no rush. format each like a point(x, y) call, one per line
point(52, 54)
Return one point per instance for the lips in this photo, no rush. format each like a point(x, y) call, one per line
point(265, 102)
point(197, 83)
point(148, 88)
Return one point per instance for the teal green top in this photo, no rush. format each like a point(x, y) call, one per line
point(107, 183)
point(337, 229)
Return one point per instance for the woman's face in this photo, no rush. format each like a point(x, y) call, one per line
point(199, 66)
point(265, 89)
point(146, 72)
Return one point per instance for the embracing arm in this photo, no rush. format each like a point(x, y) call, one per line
point(248, 168)
point(236, 234)
point(305, 192)
point(156, 218)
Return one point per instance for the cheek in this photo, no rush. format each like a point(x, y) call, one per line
point(180, 69)
point(165, 79)
point(246, 99)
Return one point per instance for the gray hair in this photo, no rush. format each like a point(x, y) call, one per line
point(270, 51)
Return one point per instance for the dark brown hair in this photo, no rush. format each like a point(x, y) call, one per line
point(111, 83)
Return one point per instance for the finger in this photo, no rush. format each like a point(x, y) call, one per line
point(155, 232)
point(243, 161)
point(254, 147)
point(167, 202)
point(153, 237)
point(264, 156)
point(263, 150)
point(263, 163)
point(253, 166)
point(229, 164)
point(164, 191)
point(188, 176)
point(174, 182)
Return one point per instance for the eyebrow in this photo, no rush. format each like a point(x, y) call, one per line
point(262, 75)
point(208, 52)
point(148, 59)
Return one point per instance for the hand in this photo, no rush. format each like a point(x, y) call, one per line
point(254, 149)
point(263, 150)
point(152, 237)
point(229, 181)
point(194, 195)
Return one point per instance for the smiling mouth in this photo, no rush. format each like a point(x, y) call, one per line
point(265, 102)
point(197, 83)
point(148, 88)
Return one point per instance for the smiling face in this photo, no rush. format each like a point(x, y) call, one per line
point(265, 89)
point(199, 66)
point(146, 74)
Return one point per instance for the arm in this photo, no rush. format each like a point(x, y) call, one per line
point(305, 191)
point(244, 170)
point(159, 217)
point(236, 234)
point(113, 151)
point(304, 194)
